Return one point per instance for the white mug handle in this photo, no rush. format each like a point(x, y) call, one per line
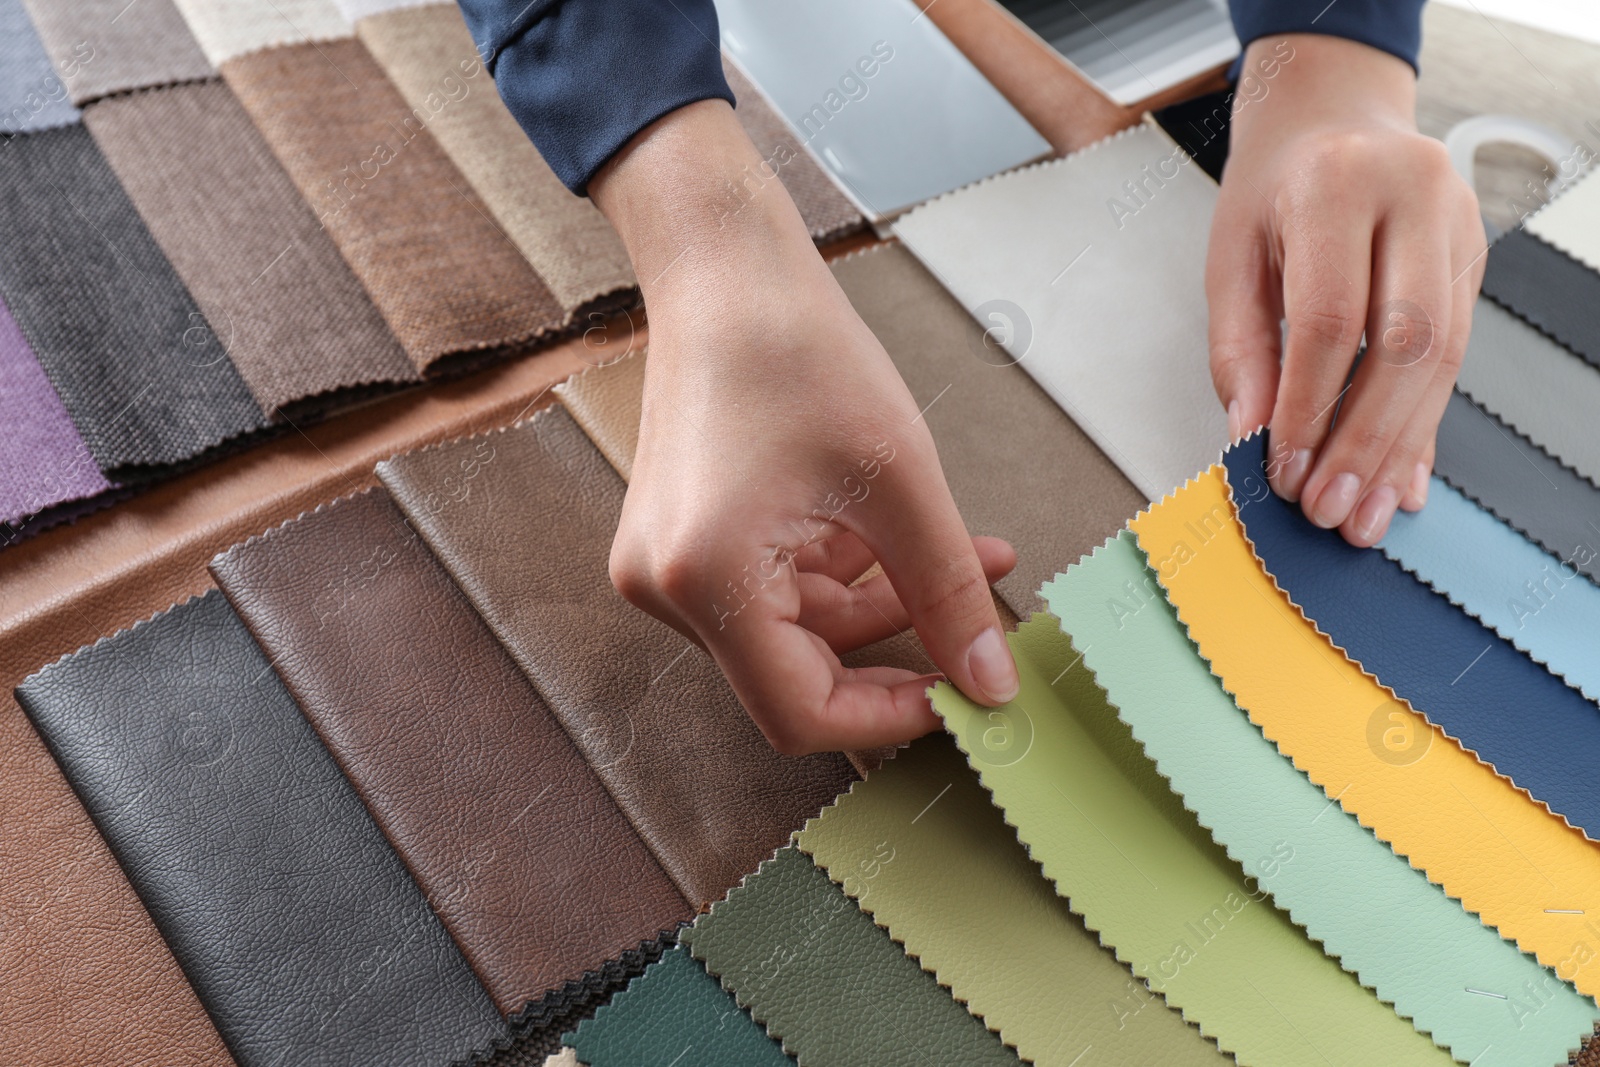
point(1468, 135)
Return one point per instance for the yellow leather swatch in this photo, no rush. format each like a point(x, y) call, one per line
point(1505, 858)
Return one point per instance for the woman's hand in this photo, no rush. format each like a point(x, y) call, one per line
point(780, 456)
point(1338, 216)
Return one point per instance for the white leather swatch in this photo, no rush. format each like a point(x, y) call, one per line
point(228, 28)
point(1090, 270)
point(1571, 221)
point(1536, 386)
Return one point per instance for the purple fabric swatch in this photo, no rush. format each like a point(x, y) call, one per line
point(43, 461)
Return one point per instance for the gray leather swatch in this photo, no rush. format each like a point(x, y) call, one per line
point(1551, 290)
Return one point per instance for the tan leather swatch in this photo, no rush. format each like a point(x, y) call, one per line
point(607, 402)
point(523, 519)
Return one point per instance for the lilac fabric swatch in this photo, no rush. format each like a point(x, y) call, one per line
point(43, 461)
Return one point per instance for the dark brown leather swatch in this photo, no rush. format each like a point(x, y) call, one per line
point(524, 520)
point(515, 841)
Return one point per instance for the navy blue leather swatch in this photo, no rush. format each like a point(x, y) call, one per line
point(1551, 290)
point(1468, 680)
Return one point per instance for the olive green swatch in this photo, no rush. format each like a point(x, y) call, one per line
point(827, 982)
point(674, 1014)
point(1118, 843)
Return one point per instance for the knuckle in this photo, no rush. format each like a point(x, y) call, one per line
point(957, 589)
point(1328, 322)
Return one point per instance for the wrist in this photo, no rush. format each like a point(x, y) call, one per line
point(1306, 80)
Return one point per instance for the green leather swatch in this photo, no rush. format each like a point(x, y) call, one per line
point(827, 982)
point(1478, 995)
point(674, 1015)
point(924, 851)
point(1147, 877)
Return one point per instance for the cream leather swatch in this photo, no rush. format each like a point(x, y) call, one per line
point(1091, 271)
point(565, 1058)
point(1571, 222)
point(922, 849)
point(1521, 870)
point(228, 28)
point(1119, 845)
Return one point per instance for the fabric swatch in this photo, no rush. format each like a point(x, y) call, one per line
point(1520, 483)
point(924, 851)
point(355, 10)
point(449, 284)
point(430, 56)
point(1484, 843)
point(1417, 949)
point(516, 842)
point(43, 460)
point(1452, 669)
point(1062, 264)
point(286, 309)
point(227, 29)
point(1499, 577)
point(101, 47)
point(1119, 845)
point(674, 1014)
point(32, 94)
point(1534, 385)
point(1547, 288)
point(1571, 222)
point(136, 363)
point(298, 927)
point(815, 970)
point(651, 712)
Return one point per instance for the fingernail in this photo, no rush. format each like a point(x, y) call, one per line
point(991, 665)
point(1417, 495)
point(1372, 517)
point(1292, 476)
point(1333, 504)
point(1235, 431)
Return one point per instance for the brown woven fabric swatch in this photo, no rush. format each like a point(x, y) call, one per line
point(651, 712)
point(515, 841)
point(291, 315)
point(429, 54)
point(445, 278)
point(102, 47)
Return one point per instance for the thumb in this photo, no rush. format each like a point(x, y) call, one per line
point(1246, 338)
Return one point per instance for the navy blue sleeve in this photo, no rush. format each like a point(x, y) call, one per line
point(1394, 26)
point(583, 76)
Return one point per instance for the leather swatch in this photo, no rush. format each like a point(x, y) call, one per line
point(1462, 676)
point(652, 714)
point(1534, 386)
point(448, 283)
point(1484, 843)
point(1380, 918)
point(32, 94)
point(1548, 288)
point(135, 362)
point(1522, 484)
point(1571, 222)
point(286, 309)
point(924, 852)
point(301, 932)
point(815, 970)
point(1504, 580)
point(1119, 845)
point(608, 401)
point(229, 28)
point(674, 1014)
point(101, 47)
point(515, 841)
point(1043, 258)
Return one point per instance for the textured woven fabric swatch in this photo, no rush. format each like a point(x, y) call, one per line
point(674, 1015)
point(1062, 263)
point(43, 461)
point(284, 306)
point(924, 851)
point(140, 370)
point(1533, 385)
point(355, 10)
point(1412, 945)
point(1571, 222)
point(516, 842)
point(814, 969)
point(1548, 288)
point(446, 280)
point(1484, 843)
point(32, 94)
point(229, 28)
point(101, 47)
point(1145, 875)
point(652, 713)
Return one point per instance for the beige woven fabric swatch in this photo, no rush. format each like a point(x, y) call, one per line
point(446, 280)
point(286, 307)
point(100, 47)
point(229, 28)
point(356, 10)
point(429, 54)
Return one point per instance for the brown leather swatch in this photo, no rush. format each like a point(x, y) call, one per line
point(445, 278)
point(523, 519)
point(285, 307)
point(515, 841)
point(607, 402)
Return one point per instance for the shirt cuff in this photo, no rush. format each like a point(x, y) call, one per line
point(1393, 26)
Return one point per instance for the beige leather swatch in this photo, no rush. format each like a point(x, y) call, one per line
point(229, 28)
point(607, 402)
